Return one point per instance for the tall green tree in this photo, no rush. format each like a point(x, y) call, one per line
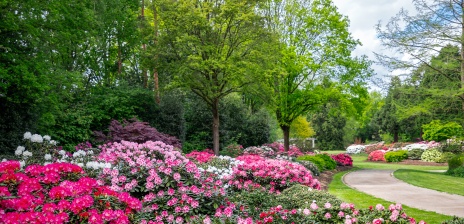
point(315, 48)
point(422, 36)
point(212, 48)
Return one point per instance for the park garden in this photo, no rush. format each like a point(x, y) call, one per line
point(199, 111)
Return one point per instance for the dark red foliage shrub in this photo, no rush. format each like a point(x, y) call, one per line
point(135, 131)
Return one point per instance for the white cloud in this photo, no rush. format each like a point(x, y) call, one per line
point(364, 15)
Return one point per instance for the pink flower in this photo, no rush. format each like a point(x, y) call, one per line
point(306, 211)
point(328, 215)
point(327, 205)
point(314, 206)
point(341, 214)
point(379, 207)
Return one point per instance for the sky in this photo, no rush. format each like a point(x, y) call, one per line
point(364, 15)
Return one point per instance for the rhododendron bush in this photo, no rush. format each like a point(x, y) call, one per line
point(170, 186)
point(201, 157)
point(343, 159)
point(276, 175)
point(59, 193)
point(378, 155)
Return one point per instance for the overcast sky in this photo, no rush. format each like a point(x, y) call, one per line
point(364, 15)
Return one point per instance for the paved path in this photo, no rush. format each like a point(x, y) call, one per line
point(382, 184)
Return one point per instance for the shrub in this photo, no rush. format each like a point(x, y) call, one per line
point(135, 131)
point(445, 157)
point(232, 150)
point(163, 179)
point(279, 149)
point(300, 197)
point(322, 161)
point(455, 162)
point(451, 146)
point(310, 166)
point(396, 156)
point(415, 154)
point(378, 155)
point(201, 157)
point(455, 220)
point(431, 155)
point(275, 175)
point(457, 172)
point(343, 159)
point(60, 192)
point(355, 149)
point(438, 131)
point(263, 151)
point(330, 163)
point(375, 147)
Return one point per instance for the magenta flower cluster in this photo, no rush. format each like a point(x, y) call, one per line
point(201, 157)
point(279, 149)
point(343, 159)
point(257, 171)
point(59, 193)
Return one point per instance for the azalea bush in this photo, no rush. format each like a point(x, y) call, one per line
point(424, 145)
point(415, 154)
point(431, 155)
point(322, 161)
point(355, 149)
point(274, 175)
point(343, 159)
point(201, 157)
point(170, 186)
point(378, 155)
point(375, 147)
point(279, 149)
point(232, 150)
point(59, 193)
point(220, 166)
point(263, 151)
point(310, 166)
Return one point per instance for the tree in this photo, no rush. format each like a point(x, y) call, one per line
point(315, 49)
point(302, 128)
point(387, 116)
point(437, 24)
point(211, 48)
point(329, 125)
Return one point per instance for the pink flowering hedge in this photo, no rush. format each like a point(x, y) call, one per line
point(59, 193)
point(275, 175)
point(378, 155)
point(201, 157)
point(343, 159)
point(171, 187)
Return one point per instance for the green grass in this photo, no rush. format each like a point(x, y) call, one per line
point(432, 180)
point(363, 200)
point(360, 161)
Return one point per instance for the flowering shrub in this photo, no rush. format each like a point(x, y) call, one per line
point(275, 175)
point(36, 149)
point(431, 155)
point(375, 147)
point(279, 149)
point(220, 166)
point(310, 166)
point(415, 154)
point(378, 155)
point(263, 151)
point(355, 149)
point(232, 150)
point(171, 187)
point(201, 157)
point(59, 193)
point(343, 159)
point(424, 145)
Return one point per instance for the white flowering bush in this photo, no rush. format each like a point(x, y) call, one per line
point(431, 155)
point(36, 149)
point(422, 145)
point(220, 166)
point(355, 149)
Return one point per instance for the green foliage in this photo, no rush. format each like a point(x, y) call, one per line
point(455, 220)
point(455, 162)
point(415, 154)
point(457, 172)
point(301, 197)
point(396, 156)
point(329, 125)
point(455, 147)
point(431, 155)
point(232, 150)
point(322, 161)
point(310, 166)
point(301, 128)
point(257, 200)
point(445, 157)
point(439, 131)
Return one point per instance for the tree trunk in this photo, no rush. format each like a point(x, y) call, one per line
point(155, 71)
point(215, 110)
point(395, 136)
point(286, 131)
point(144, 46)
point(462, 57)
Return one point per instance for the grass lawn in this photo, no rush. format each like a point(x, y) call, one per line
point(362, 200)
point(432, 180)
point(360, 161)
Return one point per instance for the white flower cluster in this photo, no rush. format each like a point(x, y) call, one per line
point(284, 157)
point(19, 151)
point(37, 138)
point(223, 172)
point(415, 146)
point(97, 165)
point(355, 149)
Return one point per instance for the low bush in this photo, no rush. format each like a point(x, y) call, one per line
point(310, 166)
point(263, 151)
point(232, 150)
point(322, 161)
point(415, 154)
point(431, 155)
point(455, 162)
point(455, 220)
point(200, 157)
point(355, 149)
point(301, 197)
point(375, 147)
point(330, 163)
point(445, 157)
point(457, 172)
point(378, 155)
point(396, 156)
point(343, 159)
point(451, 146)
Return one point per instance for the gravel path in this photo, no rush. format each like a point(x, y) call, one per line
point(382, 184)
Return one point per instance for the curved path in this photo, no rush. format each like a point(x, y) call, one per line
point(382, 184)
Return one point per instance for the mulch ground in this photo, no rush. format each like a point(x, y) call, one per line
point(326, 177)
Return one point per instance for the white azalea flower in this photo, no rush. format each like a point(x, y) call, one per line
point(27, 135)
point(48, 157)
point(19, 150)
point(52, 142)
point(27, 154)
point(36, 138)
point(47, 138)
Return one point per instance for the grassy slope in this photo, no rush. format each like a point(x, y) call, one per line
point(362, 200)
point(432, 181)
